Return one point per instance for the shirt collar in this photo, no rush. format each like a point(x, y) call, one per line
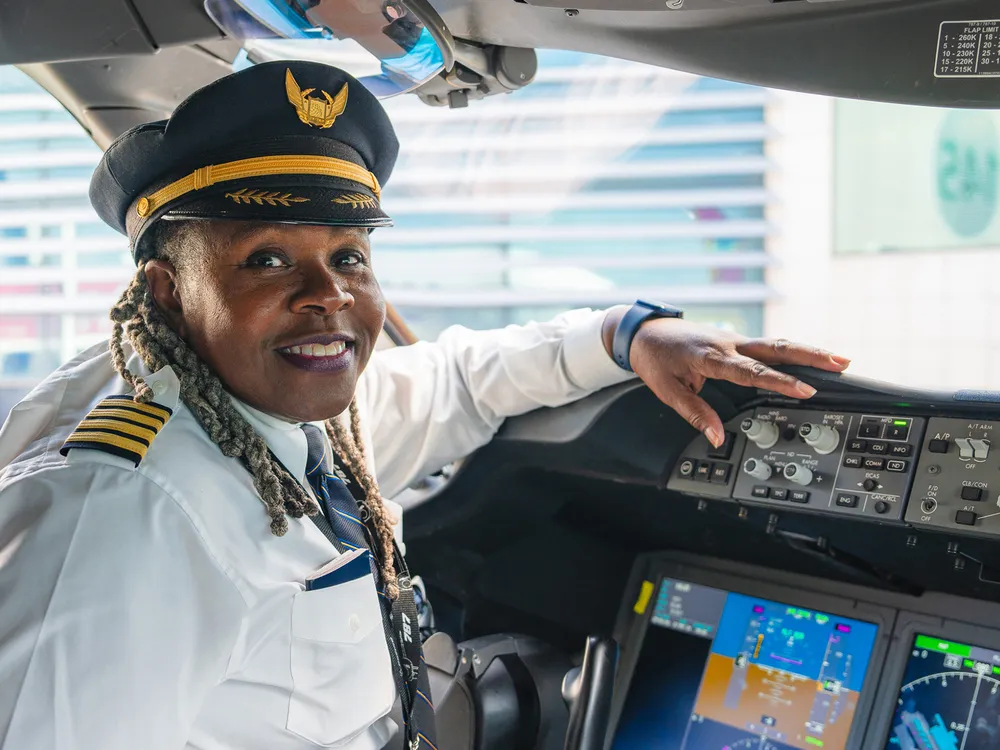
point(286, 439)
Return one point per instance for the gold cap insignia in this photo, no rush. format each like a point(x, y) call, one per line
point(315, 112)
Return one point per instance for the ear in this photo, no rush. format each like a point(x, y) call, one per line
point(162, 279)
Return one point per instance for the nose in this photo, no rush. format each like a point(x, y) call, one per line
point(321, 292)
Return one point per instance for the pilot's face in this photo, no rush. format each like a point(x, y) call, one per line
point(287, 315)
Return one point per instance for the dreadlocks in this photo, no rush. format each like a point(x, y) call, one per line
point(136, 317)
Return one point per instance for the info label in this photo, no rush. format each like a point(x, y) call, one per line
point(968, 49)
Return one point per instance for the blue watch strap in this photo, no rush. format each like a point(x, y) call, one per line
point(628, 326)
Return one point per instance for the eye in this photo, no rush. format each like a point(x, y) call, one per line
point(266, 259)
point(348, 259)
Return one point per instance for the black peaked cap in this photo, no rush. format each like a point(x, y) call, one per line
point(286, 141)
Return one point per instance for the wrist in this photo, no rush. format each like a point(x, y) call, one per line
point(612, 318)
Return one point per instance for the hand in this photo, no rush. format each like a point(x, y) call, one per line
point(675, 358)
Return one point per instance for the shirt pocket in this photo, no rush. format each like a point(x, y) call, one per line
point(341, 673)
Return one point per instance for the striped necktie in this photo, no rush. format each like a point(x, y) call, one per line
point(338, 504)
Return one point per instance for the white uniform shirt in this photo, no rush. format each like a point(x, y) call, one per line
point(151, 608)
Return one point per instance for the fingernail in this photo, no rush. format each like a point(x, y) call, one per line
point(714, 437)
point(806, 390)
point(842, 361)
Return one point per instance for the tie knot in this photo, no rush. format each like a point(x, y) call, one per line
point(318, 457)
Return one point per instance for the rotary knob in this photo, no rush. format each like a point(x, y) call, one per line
point(798, 473)
point(762, 434)
point(820, 437)
point(757, 469)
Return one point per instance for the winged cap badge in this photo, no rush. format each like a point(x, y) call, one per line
point(315, 112)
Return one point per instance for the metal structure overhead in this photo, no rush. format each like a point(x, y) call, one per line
point(114, 63)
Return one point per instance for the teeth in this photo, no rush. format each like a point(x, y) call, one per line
point(317, 350)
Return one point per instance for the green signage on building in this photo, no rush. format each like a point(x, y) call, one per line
point(967, 172)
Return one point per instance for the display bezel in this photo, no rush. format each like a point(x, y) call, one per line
point(908, 627)
point(631, 628)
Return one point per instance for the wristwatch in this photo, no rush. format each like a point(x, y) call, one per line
point(628, 326)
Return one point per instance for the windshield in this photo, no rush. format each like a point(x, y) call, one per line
point(870, 229)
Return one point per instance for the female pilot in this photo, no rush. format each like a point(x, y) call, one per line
point(194, 547)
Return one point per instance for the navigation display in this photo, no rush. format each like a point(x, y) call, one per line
point(724, 671)
point(950, 698)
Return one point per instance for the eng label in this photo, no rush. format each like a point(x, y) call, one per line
point(968, 49)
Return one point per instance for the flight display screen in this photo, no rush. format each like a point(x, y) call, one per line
point(950, 698)
point(723, 671)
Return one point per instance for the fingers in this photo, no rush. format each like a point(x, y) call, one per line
point(749, 372)
point(694, 409)
point(781, 351)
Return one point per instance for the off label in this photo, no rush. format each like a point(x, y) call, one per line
point(968, 49)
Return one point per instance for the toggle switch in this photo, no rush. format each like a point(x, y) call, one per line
point(980, 449)
point(965, 450)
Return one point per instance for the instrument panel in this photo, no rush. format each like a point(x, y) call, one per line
point(922, 471)
point(726, 658)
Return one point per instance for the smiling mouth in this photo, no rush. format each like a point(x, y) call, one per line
point(317, 350)
point(329, 357)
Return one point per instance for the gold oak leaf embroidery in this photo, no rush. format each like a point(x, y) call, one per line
point(260, 197)
point(356, 200)
point(314, 112)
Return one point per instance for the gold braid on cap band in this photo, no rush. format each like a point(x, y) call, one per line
point(260, 166)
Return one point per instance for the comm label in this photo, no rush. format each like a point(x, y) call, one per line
point(968, 49)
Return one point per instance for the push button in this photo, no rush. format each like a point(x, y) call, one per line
point(798, 496)
point(857, 446)
point(720, 473)
point(870, 430)
point(759, 491)
point(686, 468)
point(854, 462)
point(847, 500)
point(878, 447)
point(966, 517)
point(898, 431)
point(779, 493)
point(875, 464)
point(972, 494)
point(724, 451)
point(938, 446)
point(894, 465)
point(704, 471)
point(900, 449)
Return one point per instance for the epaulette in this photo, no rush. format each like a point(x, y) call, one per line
point(119, 426)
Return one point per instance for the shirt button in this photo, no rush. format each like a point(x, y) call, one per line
point(354, 622)
point(159, 387)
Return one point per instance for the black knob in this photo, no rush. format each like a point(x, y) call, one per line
point(869, 485)
point(881, 506)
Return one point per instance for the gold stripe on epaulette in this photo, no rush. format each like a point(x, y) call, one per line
point(123, 402)
point(118, 425)
point(134, 415)
point(124, 447)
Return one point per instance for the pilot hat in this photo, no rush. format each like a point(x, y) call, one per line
point(288, 141)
